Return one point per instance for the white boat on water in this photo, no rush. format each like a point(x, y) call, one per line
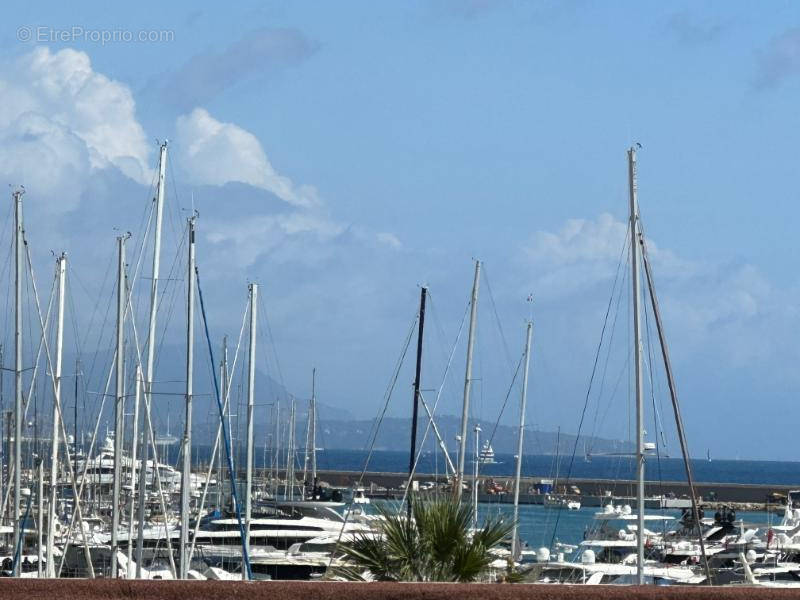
point(486, 456)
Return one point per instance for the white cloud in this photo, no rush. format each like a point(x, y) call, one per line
point(579, 240)
point(215, 153)
point(61, 120)
point(580, 254)
point(389, 239)
point(245, 240)
point(706, 304)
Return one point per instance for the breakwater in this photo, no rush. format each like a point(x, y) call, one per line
point(589, 491)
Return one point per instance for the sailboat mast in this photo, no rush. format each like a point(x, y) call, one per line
point(314, 429)
point(186, 470)
point(39, 516)
point(637, 357)
point(277, 443)
point(75, 414)
point(415, 407)
point(251, 390)
point(61, 265)
point(520, 439)
point(475, 470)
point(473, 316)
point(223, 377)
point(118, 405)
point(134, 441)
point(306, 455)
point(290, 478)
point(151, 348)
point(18, 415)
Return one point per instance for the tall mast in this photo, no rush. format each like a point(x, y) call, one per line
point(61, 268)
point(226, 402)
point(223, 377)
point(415, 406)
point(314, 429)
point(40, 516)
point(251, 384)
point(151, 348)
point(277, 438)
point(186, 471)
point(151, 334)
point(290, 455)
point(475, 475)
point(306, 457)
point(522, 407)
point(75, 414)
point(473, 316)
point(134, 442)
point(637, 357)
point(18, 414)
point(142, 491)
point(119, 404)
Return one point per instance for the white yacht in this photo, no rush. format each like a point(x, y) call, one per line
point(486, 455)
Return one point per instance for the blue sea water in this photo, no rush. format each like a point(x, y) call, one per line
point(540, 526)
point(781, 473)
point(598, 467)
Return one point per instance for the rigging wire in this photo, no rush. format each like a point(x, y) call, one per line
point(432, 413)
point(591, 380)
point(376, 428)
point(237, 505)
point(509, 360)
point(609, 345)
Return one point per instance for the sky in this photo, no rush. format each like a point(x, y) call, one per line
point(343, 154)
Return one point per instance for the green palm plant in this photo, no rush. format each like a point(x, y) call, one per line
point(435, 545)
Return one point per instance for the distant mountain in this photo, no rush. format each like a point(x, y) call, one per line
point(394, 434)
point(337, 428)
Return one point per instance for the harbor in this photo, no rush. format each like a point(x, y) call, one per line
point(440, 299)
point(131, 503)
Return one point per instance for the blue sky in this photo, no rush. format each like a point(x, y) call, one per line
point(343, 153)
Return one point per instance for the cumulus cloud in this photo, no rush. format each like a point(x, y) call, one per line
point(780, 60)
point(247, 239)
point(215, 153)
point(56, 107)
point(705, 303)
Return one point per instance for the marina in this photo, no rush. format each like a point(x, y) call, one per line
point(117, 508)
point(440, 299)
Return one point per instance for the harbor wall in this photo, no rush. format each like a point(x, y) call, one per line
point(592, 491)
point(110, 589)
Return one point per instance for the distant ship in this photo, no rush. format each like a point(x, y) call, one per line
point(486, 456)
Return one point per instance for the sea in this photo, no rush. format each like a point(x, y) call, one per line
point(597, 467)
point(764, 472)
point(540, 525)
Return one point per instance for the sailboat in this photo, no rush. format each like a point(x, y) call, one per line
point(621, 551)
